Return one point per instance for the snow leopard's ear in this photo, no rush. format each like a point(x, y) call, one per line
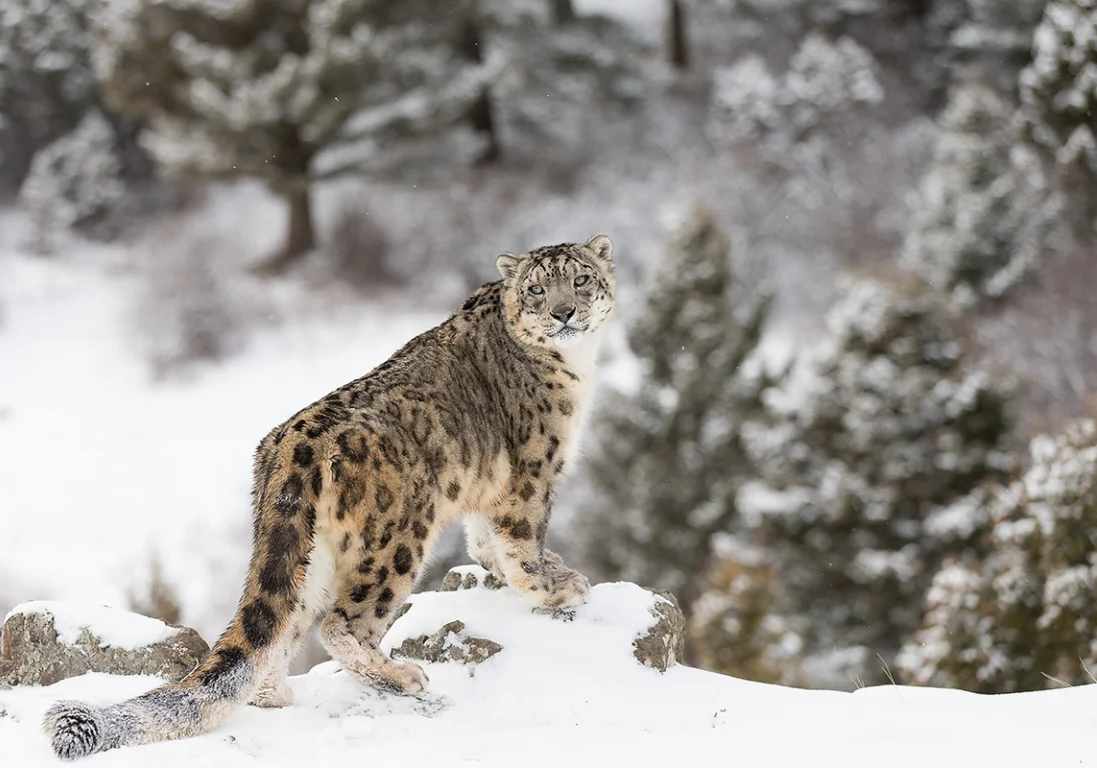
point(602, 247)
point(508, 264)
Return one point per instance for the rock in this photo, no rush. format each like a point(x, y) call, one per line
point(33, 651)
point(470, 577)
point(401, 612)
point(448, 644)
point(455, 580)
point(664, 642)
point(559, 614)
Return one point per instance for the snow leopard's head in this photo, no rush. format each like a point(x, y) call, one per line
point(559, 295)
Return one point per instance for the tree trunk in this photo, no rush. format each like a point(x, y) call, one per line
point(562, 11)
point(482, 115)
point(300, 235)
point(677, 39)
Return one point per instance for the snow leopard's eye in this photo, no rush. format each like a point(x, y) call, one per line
point(581, 281)
point(536, 290)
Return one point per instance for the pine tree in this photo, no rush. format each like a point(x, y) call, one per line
point(287, 92)
point(826, 81)
point(862, 465)
point(1025, 617)
point(733, 628)
point(669, 459)
point(75, 182)
point(985, 211)
point(824, 91)
point(1059, 93)
point(561, 75)
point(46, 79)
point(995, 36)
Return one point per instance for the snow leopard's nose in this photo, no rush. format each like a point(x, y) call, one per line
point(563, 312)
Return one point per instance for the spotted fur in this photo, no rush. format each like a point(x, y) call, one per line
point(474, 419)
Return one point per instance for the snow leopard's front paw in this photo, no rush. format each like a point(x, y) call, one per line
point(568, 589)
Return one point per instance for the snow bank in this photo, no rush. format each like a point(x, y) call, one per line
point(606, 626)
point(114, 628)
point(570, 693)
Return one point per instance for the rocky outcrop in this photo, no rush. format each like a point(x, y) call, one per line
point(663, 644)
point(470, 577)
point(658, 621)
point(34, 652)
point(43, 643)
point(450, 643)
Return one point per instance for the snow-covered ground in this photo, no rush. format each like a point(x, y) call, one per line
point(571, 693)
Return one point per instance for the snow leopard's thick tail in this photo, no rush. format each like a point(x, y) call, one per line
point(256, 642)
point(238, 665)
point(193, 705)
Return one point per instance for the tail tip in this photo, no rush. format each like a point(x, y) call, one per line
point(75, 729)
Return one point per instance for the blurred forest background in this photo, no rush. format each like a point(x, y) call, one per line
point(844, 411)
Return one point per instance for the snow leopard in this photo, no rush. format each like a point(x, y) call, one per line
point(473, 420)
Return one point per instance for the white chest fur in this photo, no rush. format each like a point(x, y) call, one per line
point(582, 360)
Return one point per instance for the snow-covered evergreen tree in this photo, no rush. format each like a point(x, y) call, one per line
point(288, 92)
point(46, 79)
point(862, 464)
point(75, 182)
point(825, 86)
point(993, 35)
point(985, 211)
point(825, 142)
point(733, 628)
point(1025, 617)
point(1059, 88)
point(560, 74)
point(668, 457)
point(826, 79)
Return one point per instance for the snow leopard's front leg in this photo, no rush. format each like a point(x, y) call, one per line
point(483, 547)
point(518, 533)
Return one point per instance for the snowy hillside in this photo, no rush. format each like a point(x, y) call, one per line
point(571, 693)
